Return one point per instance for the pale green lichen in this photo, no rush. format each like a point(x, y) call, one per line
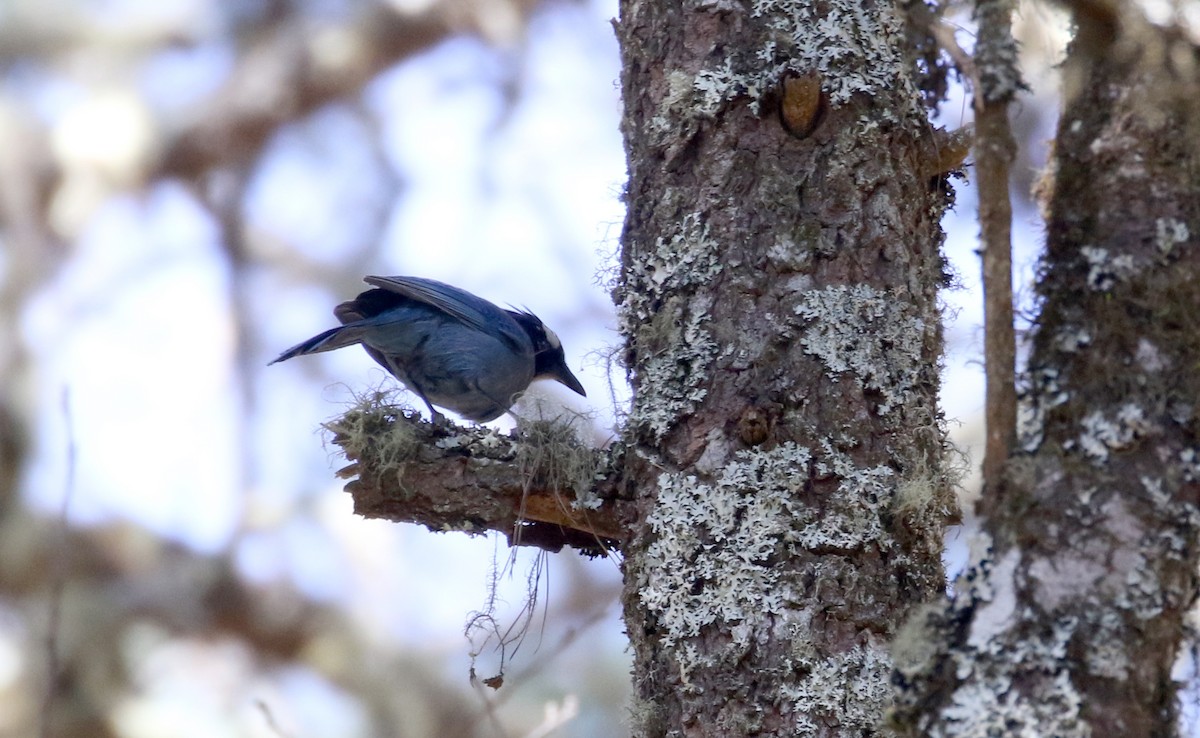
point(986, 703)
point(377, 431)
point(688, 258)
point(917, 643)
point(1105, 272)
point(990, 707)
point(479, 441)
point(716, 86)
point(1042, 392)
point(1189, 459)
point(671, 378)
point(850, 690)
point(1149, 358)
point(1107, 657)
point(1168, 233)
point(855, 48)
point(996, 600)
point(552, 453)
point(864, 332)
point(794, 255)
point(667, 316)
point(1163, 493)
point(722, 535)
point(997, 64)
point(1102, 434)
point(852, 514)
point(711, 561)
point(1070, 339)
point(676, 103)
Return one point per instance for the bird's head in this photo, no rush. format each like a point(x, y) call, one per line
point(549, 361)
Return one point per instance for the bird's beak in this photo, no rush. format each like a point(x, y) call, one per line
point(563, 374)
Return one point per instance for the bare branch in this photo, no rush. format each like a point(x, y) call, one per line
point(292, 69)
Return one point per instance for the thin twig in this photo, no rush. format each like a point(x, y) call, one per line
point(59, 574)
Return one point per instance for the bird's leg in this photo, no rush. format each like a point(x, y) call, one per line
point(435, 417)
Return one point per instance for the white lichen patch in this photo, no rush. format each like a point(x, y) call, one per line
point(671, 379)
point(1149, 358)
point(1000, 656)
point(850, 690)
point(1071, 339)
point(1104, 272)
point(689, 258)
point(1065, 577)
point(709, 561)
point(668, 325)
point(989, 706)
point(917, 642)
point(851, 516)
point(1168, 233)
point(856, 47)
point(715, 86)
point(789, 253)
point(995, 613)
point(1189, 459)
point(483, 441)
point(1174, 541)
point(1102, 434)
point(1107, 657)
point(713, 559)
point(862, 331)
point(1042, 392)
point(680, 90)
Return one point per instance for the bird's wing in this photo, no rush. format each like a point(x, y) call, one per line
point(470, 310)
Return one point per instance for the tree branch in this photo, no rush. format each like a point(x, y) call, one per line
point(293, 68)
point(539, 486)
point(289, 71)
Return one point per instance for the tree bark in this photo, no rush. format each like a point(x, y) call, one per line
point(780, 266)
point(1072, 614)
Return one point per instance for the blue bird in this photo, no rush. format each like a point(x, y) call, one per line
point(453, 349)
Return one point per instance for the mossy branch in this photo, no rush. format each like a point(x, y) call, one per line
point(540, 485)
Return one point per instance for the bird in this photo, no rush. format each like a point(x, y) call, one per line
point(451, 348)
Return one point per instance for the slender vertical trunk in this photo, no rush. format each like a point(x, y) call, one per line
point(998, 82)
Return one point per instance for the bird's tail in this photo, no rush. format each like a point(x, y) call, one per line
point(334, 338)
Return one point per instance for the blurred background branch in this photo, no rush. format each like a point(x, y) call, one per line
point(185, 187)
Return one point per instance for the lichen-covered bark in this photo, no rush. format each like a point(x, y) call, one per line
point(778, 298)
point(1072, 615)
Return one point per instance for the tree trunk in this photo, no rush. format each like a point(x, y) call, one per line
point(780, 267)
point(1069, 621)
